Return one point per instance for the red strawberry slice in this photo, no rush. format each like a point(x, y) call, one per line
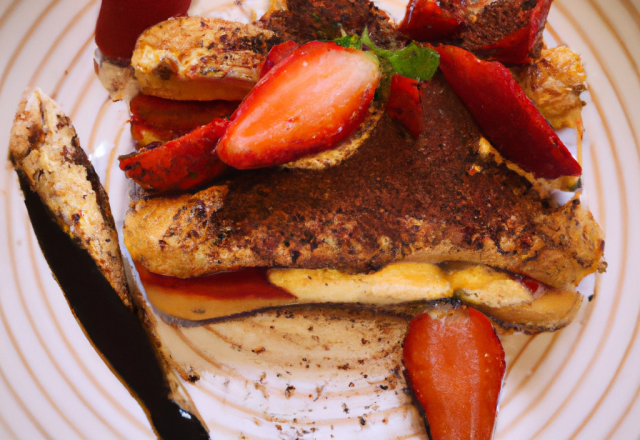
point(506, 117)
point(159, 119)
point(404, 103)
point(309, 102)
point(178, 115)
point(428, 20)
point(277, 53)
point(455, 365)
point(179, 164)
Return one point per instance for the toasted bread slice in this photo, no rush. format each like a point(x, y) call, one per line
point(201, 59)
point(44, 146)
point(393, 200)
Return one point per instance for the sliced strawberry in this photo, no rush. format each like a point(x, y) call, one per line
point(277, 53)
point(455, 365)
point(428, 20)
point(506, 117)
point(178, 115)
point(309, 102)
point(516, 47)
point(404, 103)
point(161, 120)
point(180, 164)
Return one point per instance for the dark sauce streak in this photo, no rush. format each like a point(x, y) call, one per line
point(113, 329)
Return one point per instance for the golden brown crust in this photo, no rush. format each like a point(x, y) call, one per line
point(199, 58)
point(44, 146)
point(393, 200)
point(179, 227)
point(552, 311)
point(554, 83)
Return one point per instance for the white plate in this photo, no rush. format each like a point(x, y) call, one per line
point(582, 382)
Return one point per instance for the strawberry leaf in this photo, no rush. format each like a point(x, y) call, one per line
point(415, 62)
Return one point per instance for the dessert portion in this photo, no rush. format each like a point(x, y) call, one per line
point(419, 203)
point(365, 216)
point(449, 202)
point(277, 169)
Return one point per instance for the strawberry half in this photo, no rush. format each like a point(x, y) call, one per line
point(455, 364)
point(309, 102)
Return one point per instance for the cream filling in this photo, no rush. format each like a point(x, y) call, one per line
point(403, 282)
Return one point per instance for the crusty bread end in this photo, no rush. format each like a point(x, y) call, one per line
point(44, 146)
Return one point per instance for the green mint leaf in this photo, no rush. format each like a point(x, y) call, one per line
point(415, 62)
point(349, 41)
point(382, 53)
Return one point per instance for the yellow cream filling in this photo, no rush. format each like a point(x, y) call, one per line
point(403, 282)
